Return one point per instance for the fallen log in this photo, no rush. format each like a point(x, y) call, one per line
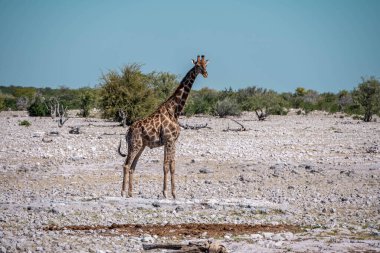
point(191, 247)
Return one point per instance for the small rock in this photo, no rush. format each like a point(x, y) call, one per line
point(256, 237)
point(288, 236)
point(38, 134)
point(277, 237)
point(227, 237)
point(267, 235)
point(205, 171)
point(179, 209)
point(148, 238)
point(156, 204)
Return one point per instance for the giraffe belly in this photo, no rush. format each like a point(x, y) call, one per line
point(154, 144)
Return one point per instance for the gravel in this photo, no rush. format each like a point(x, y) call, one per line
point(317, 171)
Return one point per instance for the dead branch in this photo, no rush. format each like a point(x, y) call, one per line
point(261, 115)
point(195, 127)
point(241, 129)
point(123, 116)
point(113, 134)
point(51, 105)
point(191, 247)
point(93, 125)
point(75, 130)
point(53, 133)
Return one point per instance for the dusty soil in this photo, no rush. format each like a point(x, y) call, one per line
point(183, 230)
point(312, 181)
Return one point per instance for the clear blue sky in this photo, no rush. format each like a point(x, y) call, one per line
point(325, 45)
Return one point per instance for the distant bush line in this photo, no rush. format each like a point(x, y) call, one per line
point(128, 94)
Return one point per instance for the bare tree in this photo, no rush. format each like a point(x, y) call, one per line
point(261, 115)
point(52, 105)
point(62, 114)
point(57, 110)
point(22, 103)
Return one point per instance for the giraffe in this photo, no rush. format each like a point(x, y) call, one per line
point(161, 128)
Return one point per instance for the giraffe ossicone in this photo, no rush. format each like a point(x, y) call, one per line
point(161, 128)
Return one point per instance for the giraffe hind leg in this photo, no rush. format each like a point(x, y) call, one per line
point(129, 167)
point(132, 170)
point(169, 164)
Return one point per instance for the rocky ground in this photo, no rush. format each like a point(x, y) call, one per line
point(291, 183)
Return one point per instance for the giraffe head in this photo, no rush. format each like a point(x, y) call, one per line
point(200, 65)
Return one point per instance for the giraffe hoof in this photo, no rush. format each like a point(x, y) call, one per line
point(173, 194)
point(123, 193)
point(164, 192)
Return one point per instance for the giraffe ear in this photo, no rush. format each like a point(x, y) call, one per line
point(206, 62)
point(194, 62)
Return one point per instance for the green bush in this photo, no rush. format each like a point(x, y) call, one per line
point(227, 107)
point(24, 123)
point(357, 117)
point(163, 84)
point(367, 96)
point(2, 102)
point(38, 107)
point(127, 91)
point(86, 102)
point(10, 102)
point(201, 102)
point(270, 101)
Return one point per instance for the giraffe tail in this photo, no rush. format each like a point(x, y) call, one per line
point(119, 150)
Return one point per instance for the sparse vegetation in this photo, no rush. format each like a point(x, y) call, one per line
point(127, 91)
point(130, 94)
point(86, 102)
point(227, 107)
point(2, 102)
point(367, 96)
point(24, 123)
point(38, 107)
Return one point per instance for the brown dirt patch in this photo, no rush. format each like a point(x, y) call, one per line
point(182, 230)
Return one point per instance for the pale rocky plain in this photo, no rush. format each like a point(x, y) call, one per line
point(295, 183)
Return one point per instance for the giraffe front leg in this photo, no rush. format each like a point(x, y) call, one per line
point(166, 170)
point(130, 183)
point(125, 170)
point(169, 163)
point(172, 174)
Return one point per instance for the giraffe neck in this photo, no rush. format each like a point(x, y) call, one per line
point(180, 95)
